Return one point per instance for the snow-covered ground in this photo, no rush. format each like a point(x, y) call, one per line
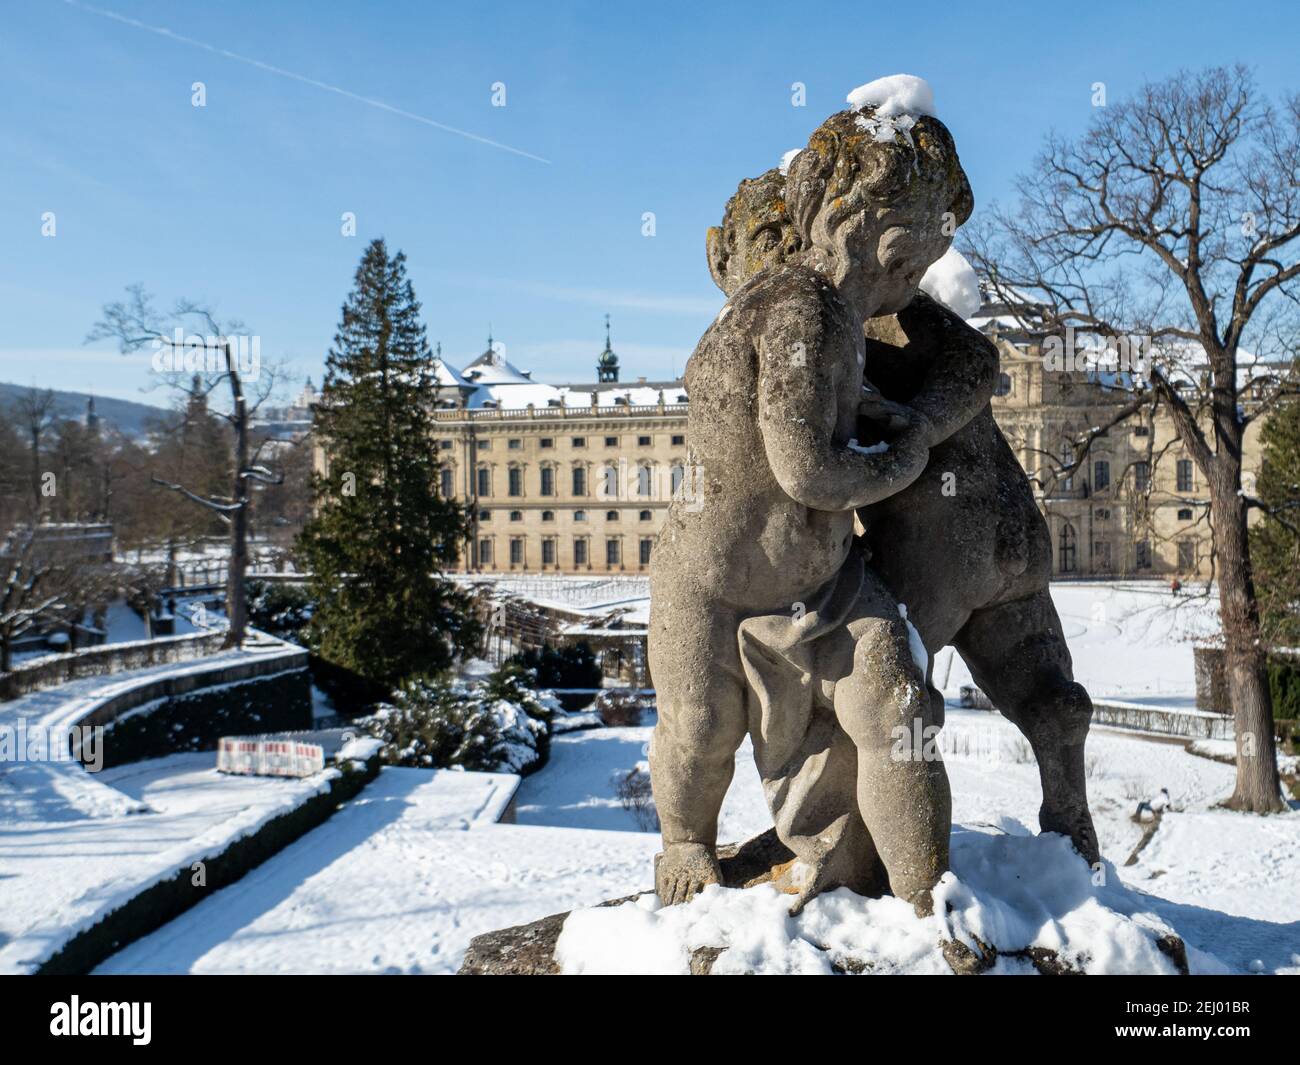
point(1201, 864)
point(76, 844)
point(124, 625)
point(403, 877)
point(398, 881)
point(62, 866)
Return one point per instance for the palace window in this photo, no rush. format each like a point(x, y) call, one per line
point(546, 441)
point(611, 441)
point(516, 550)
point(643, 441)
point(514, 444)
point(579, 551)
point(1100, 475)
point(611, 515)
point(645, 515)
point(485, 515)
point(644, 480)
point(548, 551)
point(1141, 476)
point(1004, 385)
point(485, 552)
point(548, 481)
point(548, 515)
point(447, 482)
point(647, 545)
point(1069, 549)
point(679, 440)
point(579, 515)
point(1185, 514)
point(516, 482)
point(516, 515)
point(610, 475)
point(484, 481)
point(579, 480)
point(579, 441)
point(1186, 555)
point(1184, 472)
point(1142, 554)
point(612, 553)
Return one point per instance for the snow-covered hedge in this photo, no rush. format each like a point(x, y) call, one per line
point(494, 724)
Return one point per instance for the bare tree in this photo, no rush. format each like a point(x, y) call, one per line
point(1176, 218)
point(34, 410)
point(30, 588)
point(215, 357)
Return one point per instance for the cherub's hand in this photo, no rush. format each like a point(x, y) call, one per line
point(905, 435)
point(896, 423)
point(683, 869)
point(891, 417)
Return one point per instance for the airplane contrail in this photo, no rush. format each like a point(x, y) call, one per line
point(162, 31)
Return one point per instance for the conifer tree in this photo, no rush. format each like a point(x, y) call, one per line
point(1275, 539)
point(382, 535)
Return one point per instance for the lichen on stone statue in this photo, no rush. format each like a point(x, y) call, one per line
point(823, 395)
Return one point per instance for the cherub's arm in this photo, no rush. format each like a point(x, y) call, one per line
point(963, 371)
point(799, 385)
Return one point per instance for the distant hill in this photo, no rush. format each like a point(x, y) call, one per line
point(127, 416)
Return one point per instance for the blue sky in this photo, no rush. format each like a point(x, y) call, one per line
point(658, 107)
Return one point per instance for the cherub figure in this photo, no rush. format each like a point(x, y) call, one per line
point(964, 545)
point(765, 616)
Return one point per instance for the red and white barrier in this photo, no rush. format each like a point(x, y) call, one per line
point(277, 756)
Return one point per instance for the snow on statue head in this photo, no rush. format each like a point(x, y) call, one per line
point(874, 199)
point(878, 195)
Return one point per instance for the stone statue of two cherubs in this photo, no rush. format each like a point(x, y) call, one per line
point(830, 389)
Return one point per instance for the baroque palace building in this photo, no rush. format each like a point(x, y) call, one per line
point(1133, 504)
point(577, 478)
point(559, 478)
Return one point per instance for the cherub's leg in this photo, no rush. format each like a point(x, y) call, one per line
point(902, 788)
point(1018, 656)
point(700, 695)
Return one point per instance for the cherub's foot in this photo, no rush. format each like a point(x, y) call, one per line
point(808, 881)
point(922, 902)
point(1075, 823)
point(683, 869)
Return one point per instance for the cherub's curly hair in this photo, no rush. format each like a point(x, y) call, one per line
point(845, 165)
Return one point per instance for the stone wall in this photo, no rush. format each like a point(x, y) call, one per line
point(100, 661)
point(191, 711)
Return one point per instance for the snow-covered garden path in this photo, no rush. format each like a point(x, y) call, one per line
point(398, 881)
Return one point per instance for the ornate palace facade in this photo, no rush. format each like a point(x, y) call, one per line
point(577, 478)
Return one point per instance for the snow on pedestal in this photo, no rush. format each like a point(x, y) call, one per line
point(1029, 898)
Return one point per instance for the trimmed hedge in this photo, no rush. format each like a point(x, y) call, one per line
point(194, 721)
